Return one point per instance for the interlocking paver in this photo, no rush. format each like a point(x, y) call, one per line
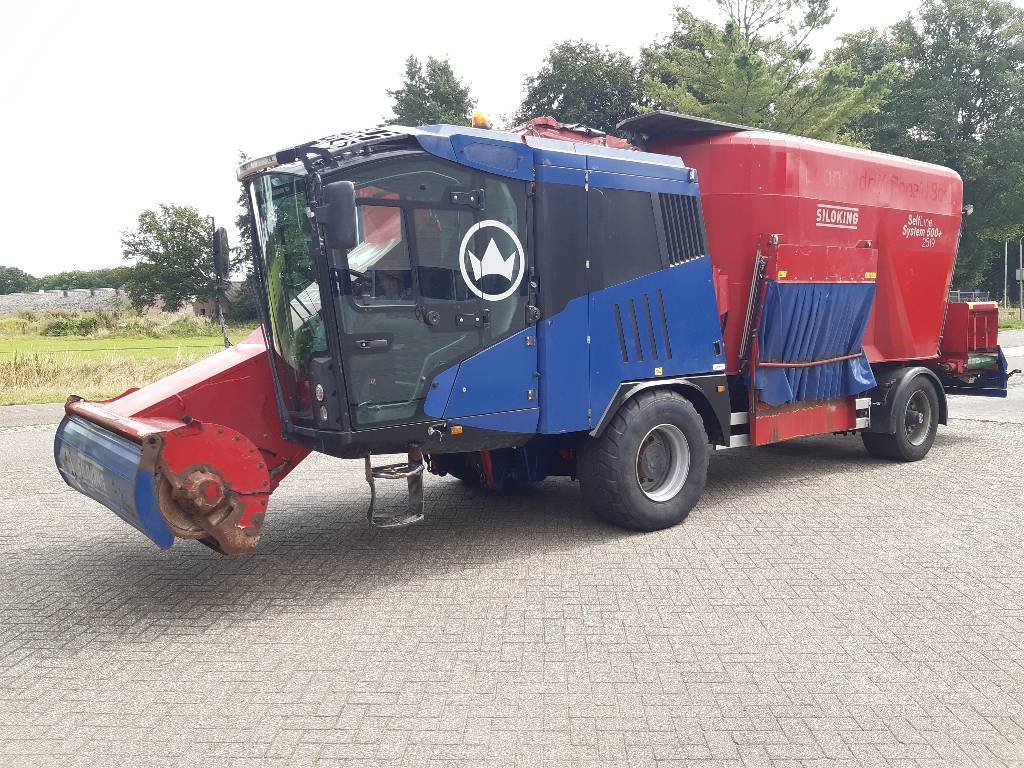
point(819, 607)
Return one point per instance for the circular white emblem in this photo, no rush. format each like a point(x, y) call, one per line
point(502, 261)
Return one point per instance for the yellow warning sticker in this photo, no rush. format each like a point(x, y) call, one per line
point(870, 275)
point(783, 273)
point(659, 371)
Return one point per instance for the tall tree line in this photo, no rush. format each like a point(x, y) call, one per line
point(945, 85)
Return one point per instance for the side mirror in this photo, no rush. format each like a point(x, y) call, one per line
point(221, 254)
point(337, 215)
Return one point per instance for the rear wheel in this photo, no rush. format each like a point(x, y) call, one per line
point(917, 422)
point(649, 467)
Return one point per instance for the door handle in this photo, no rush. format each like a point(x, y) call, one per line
point(369, 344)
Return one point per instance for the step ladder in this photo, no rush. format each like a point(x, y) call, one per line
point(410, 471)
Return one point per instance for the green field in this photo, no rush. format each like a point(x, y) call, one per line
point(139, 347)
point(1010, 319)
point(39, 364)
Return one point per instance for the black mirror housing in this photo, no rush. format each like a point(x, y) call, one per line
point(337, 215)
point(221, 254)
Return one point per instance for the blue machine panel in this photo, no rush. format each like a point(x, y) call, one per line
point(603, 180)
point(629, 162)
point(565, 369)
point(495, 152)
point(439, 392)
point(662, 324)
point(500, 378)
point(555, 152)
point(522, 422)
point(106, 467)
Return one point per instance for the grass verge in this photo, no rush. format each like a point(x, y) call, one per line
point(46, 356)
point(34, 377)
point(138, 347)
point(1009, 319)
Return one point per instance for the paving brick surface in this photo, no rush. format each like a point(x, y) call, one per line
point(819, 607)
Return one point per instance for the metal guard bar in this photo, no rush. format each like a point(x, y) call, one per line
point(810, 363)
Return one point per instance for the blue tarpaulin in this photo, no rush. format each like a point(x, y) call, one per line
point(807, 322)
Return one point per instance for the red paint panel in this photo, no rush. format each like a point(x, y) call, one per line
point(773, 425)
point(822, 264)
point(214, 437)
point(970, 327)
point(812, 193)
point(232, 388)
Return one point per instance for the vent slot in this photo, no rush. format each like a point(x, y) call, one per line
point(636, 331)
point(664, 325)
point(650, 327)
point(622, 335)
point(684, 233)
point(642, 322)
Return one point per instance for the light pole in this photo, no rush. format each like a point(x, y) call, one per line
point(1020, 278)
point(1006, 272)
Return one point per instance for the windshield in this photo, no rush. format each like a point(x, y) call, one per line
point(289, 269)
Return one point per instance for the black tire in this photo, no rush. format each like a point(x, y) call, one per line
point(917, 411)
point(622, 486)
point(460, 467)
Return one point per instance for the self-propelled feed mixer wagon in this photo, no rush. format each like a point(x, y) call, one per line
point(505, 307)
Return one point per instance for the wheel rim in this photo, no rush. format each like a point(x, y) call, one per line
point(662, 462)
point(918, 421)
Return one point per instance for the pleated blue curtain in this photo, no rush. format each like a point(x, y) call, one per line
point(804, 322)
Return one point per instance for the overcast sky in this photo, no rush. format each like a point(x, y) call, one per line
point(110, 108)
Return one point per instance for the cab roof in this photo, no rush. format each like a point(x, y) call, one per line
point(500, 152)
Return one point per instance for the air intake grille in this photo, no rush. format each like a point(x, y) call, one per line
point(684, 235)
point(637, 324)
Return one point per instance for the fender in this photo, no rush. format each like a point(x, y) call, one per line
point(709, 395)
point(890, 385)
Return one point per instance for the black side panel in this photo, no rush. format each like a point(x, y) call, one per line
point(560, 245)
point(683, 225)
point(326, 393)
point(623, 238)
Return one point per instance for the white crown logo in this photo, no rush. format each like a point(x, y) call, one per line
point(493, 263)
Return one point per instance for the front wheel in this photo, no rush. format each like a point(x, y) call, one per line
point(649, 467)
point(917, 423)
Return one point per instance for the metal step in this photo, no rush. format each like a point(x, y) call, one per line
point(410, 471)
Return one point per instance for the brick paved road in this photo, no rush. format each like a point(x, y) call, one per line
point(819, 607)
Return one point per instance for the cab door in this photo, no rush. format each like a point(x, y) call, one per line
point(495, 264)
point(439, 277)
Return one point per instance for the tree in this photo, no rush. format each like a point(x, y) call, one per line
point(430, 95)
point(109, 277)
point(581, 82)
point(243, 304)
point(241, 256)
point(958, 100)
point(172, 248)
point(14, 280)
point(757, 68)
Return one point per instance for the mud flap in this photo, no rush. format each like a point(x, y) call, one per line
point(111, 470)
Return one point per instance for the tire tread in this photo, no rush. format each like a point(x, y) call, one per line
point(601, 460)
